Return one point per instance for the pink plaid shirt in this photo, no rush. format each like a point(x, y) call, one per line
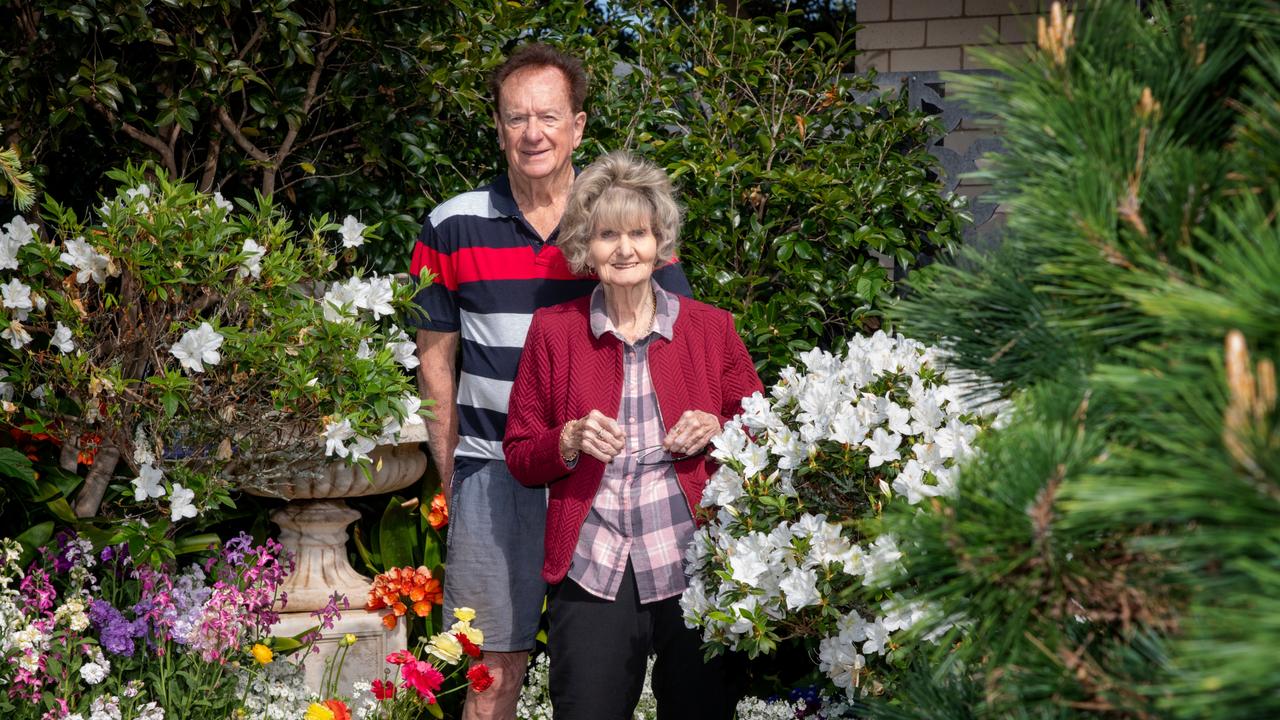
point(639, 513)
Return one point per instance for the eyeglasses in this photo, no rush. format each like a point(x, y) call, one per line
point(658, 455)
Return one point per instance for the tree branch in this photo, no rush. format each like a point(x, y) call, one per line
point(211, 161)
point(163, 149)
point(308, 100)
point(234, 131)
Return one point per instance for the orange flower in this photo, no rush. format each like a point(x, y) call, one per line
point(338, 708)
point(394, 587)
point(438, 516)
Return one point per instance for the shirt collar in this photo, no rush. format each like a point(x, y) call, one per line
point(666, 308)
point(504, 201)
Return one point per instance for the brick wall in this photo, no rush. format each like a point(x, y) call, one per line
point(908, 37)
point(923, 35)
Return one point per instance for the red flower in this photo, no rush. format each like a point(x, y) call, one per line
point(338, 708)
point(384, 690)
point(480, 677)
point(468, 647)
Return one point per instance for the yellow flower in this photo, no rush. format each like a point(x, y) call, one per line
point(261, 653)
point(465, 614)
point(318, 712)
point(472, 634)
point(446, 647)
point(348, 640)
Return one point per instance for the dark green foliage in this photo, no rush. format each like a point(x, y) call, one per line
point(790, 186)
point(1115, 551)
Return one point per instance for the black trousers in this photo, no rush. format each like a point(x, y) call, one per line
point(599, 650)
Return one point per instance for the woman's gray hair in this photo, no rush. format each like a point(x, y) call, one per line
point(614, 191)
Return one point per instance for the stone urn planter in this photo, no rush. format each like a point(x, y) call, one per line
point(313, 526)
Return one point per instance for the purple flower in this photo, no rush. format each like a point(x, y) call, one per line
point(329, 614)
point(115, 632)
point(37, 590)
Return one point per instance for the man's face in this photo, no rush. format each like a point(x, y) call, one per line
point(537, 128)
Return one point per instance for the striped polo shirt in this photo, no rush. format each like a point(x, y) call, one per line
point(492, 272)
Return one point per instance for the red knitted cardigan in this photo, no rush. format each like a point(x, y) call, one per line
point(566, 372)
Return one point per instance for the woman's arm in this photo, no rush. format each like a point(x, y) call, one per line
point(532, 441)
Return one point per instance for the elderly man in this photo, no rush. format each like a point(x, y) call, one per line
point(494, 254)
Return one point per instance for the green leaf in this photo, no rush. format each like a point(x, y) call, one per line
point(398, 535)
point(17, 466)
point(32, 539)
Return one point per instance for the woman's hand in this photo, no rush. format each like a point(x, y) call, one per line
point(691, 432)
point(597, 435)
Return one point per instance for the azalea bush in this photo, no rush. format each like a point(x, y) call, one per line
point(205, 345)
point(786, 554)
point(93, 632)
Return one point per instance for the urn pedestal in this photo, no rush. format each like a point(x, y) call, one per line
point(313, 527)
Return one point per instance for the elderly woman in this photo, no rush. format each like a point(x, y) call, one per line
point(614, 403)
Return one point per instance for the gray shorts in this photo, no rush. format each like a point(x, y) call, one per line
point(494, 564)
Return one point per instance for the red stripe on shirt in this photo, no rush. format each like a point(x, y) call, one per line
point(479, 264)
point(437, 262)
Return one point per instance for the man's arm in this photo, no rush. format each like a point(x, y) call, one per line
point(438, 380)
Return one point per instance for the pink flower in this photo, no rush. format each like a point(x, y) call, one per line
point(400, 657)
point(422, 677)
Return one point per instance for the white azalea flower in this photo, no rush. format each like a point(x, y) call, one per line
point(954, 438)
point(898, 418)
point(883, 447)
point(16, 334)
point(910, 483)
point(847, 428)
point(877, 637)
point(390, 430)
point(180, 503)
point(17, 295)
point(404, 350)
point(251, 266)
point(342, 300)
point(800, 587)
point(361, 447)
point(62, 339)
point(722, 488)
point(881, 559)
point(362, 350)
point(789, 449)
point(40, 394)
point(410, 404)
point(147, 483)
point(749, 558)
point(8, 253)
point(197, 347)
point(221, 202)
point(377, 297)
point(336, 434)
point(352, 232)
point(90, 264)
point(19, 231)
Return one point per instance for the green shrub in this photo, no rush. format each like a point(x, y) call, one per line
point(790, 185)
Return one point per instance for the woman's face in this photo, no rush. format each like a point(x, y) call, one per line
point(623, 256)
